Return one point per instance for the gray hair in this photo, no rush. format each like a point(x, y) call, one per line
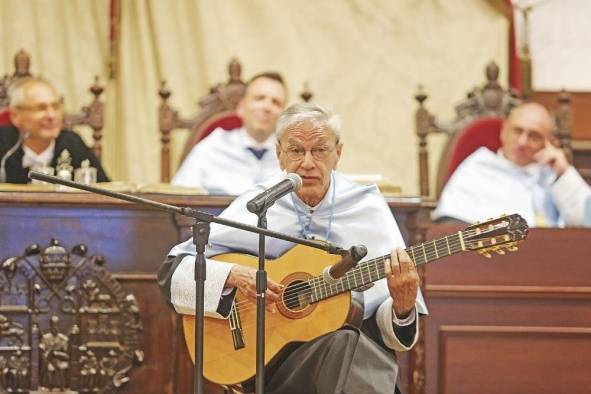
point(300, 113)
point(16, 90)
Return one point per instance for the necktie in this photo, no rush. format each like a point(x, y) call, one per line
point(258, 152)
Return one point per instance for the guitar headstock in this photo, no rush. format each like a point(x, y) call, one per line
point(495, 235)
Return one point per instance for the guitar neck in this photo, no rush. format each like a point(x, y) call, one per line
point(373, 270)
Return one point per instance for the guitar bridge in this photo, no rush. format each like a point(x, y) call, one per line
point(236, 327)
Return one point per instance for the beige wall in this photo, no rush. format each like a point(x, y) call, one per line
point(363, 58)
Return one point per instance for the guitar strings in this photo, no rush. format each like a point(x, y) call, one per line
point(428, 254)
point(318, 284)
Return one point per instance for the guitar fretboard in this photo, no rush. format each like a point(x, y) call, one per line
point(372, 270)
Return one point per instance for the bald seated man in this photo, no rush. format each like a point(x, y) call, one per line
point(528, 175)
point(230, 162)
point(36, 137)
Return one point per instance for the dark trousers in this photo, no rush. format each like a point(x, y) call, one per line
point(346, 361)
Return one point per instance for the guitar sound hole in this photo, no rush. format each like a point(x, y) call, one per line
point(297, 295)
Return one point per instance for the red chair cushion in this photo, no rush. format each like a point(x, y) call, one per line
point(482, 132)
point(4, 118)
point(226, 121)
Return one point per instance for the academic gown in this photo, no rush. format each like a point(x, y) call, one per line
point(349, 214)
point(487, 185)
point(223, 164)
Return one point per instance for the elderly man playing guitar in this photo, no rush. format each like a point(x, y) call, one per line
point(312, 348)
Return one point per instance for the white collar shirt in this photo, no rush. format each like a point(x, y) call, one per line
point(32, 159)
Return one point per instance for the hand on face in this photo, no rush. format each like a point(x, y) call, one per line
point(525, 132)
point(403, 282)
point(553, 157)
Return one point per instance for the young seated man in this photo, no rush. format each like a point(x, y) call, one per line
point(528, 175)
point(36, 137)
point(230, 162)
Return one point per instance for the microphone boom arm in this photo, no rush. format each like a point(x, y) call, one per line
point(190, 212)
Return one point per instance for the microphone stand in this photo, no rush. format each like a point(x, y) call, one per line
point(200, 239)
point(261, 285)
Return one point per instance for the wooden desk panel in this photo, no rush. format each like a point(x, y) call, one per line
point(134, 240)
point(515, 323)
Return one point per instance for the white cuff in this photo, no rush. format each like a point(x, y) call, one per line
point(182, 287)
point(407, 321)
point(384, 318)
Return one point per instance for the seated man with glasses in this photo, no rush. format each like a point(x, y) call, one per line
point(35, 138)
point(327, 207)
point(528, 175)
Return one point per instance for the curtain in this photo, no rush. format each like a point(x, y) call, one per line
point(365, 59)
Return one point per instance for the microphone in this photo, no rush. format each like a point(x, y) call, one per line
point(21, 139)
point(264, 200)
point(333, 273)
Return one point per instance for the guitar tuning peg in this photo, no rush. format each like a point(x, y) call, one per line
point(486, 254)
point(512, 248)
point(500, 252)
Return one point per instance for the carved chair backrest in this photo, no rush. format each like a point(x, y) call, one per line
point(219, 104)
point(91, 115)
point(216, 109)
point(478, 121)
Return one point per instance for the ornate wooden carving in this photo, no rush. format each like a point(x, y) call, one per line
point(22, 68)
point(488, 100)
point(563, 118)
point(223, 97)
point(418, 225)
point(306, 94)
point(65, 324)
point(91, 115)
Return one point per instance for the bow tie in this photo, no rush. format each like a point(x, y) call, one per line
point(258, 152)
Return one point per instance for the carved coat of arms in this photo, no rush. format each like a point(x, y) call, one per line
point(65, 324)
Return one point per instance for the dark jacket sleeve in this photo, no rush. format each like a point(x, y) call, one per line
point(405, 334)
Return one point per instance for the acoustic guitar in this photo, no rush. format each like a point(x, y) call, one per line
point(310, 306)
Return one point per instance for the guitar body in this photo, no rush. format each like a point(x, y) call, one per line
point(223, 364)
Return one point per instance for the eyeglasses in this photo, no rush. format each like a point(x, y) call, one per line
point(42, 107)
point(297, 153)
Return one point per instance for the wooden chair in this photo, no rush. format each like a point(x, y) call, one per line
point(217, 109)
point(22, 63)
point(478, 122)
point(91, 115)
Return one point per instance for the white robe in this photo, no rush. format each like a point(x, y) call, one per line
point(487, 185)
point(355, 215)
point(573, 198)
point(222, 163)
